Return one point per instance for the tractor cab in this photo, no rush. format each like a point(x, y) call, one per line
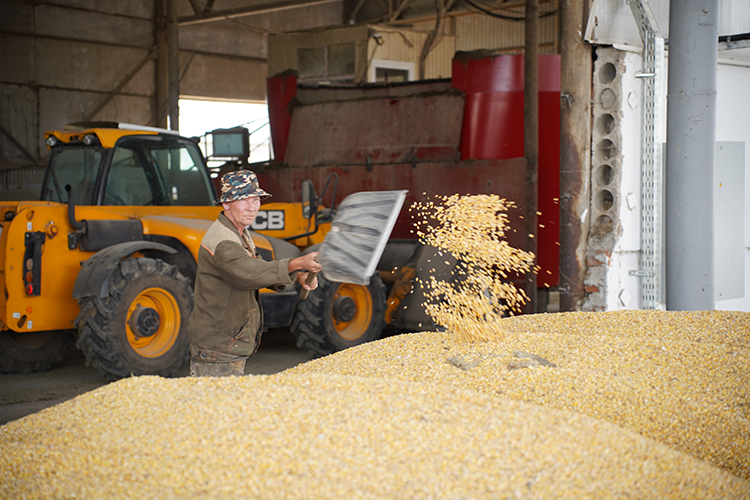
point(117, 164)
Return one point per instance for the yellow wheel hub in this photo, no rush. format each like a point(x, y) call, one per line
point(153, 322)
point(352, 311)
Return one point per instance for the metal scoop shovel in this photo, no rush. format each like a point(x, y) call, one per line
point(358, 235)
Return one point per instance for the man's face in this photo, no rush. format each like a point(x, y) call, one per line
point(242, 212)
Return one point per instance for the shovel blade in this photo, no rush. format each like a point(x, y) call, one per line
point(359, 232)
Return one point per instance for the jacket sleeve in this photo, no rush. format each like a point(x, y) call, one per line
point(237, 268)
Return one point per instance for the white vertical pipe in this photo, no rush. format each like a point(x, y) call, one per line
point(691, 133)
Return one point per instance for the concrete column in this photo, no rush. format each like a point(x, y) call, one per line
point(161, 103)
point(575, 152)
point(173, 65)
point(691, 133)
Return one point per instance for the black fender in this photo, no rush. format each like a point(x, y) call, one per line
point(183, 260)
point(92, 278)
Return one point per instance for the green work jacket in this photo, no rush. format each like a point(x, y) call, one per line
point(227, 318)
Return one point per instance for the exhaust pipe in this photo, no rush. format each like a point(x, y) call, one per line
point(72, 209)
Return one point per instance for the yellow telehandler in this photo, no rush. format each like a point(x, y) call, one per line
point(106, 258)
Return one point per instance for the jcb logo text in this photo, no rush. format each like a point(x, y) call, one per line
point(269, 220)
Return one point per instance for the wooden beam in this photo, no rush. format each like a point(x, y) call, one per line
point(531, 138)
point(394, 15)
point(209, 6)
point(464, 12)
point(354, 12)
point(250, 11)
point(197, 7)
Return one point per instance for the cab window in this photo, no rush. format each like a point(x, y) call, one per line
point(157, 171)
point(74, 166)
point(127, 183)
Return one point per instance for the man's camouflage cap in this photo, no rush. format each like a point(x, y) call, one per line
point(240, 185)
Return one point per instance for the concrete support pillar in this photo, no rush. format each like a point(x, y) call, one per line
point(173, 65)
point(575, 152)
point(691, 133)
point(161, 102)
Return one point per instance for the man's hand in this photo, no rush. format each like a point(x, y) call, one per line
point(302, 280)
point(307, 262)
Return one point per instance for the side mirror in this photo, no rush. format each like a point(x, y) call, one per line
point(309, 199)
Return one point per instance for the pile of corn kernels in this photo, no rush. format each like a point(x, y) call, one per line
point(415, 416)
point(679, 378)
point(630, 404)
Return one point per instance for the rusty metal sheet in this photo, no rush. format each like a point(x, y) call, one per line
point(505, 178)
point(381, 130)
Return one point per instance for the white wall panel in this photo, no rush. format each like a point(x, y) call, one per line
point(731, 127)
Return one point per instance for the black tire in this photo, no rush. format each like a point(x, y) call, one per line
point(105, 334)
point(35, 351)
point(320, 321)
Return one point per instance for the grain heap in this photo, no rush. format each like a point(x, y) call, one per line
point(680, 378)
point(568, 406)
point(319, 436)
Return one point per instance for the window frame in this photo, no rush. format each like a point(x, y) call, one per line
point(326, 76)
point(376, 64)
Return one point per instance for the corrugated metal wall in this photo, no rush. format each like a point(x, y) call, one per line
point(485, 32)
point(403, 45)
point(21, 183)
point(462, 32)
point(482, 31)
point(406, 45)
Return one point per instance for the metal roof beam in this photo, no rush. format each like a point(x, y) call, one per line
point(250, 11)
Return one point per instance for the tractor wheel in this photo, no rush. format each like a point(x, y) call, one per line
point(33, 352)
point(336, 316)
point(140, 328)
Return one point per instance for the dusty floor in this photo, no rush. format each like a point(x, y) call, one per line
point(21, 395)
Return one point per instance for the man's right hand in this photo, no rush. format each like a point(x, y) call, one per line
point(302, 280)
point(308, 262)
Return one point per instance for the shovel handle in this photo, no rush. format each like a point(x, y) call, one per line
point(303, 292)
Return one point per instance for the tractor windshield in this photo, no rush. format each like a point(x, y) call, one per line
point(157, 171)
point(138, 171)
point(77, 166)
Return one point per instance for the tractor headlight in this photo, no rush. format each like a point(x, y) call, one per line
point(52, 141)
point(90, 139)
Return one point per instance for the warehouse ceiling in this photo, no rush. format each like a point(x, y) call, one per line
point(83, 60)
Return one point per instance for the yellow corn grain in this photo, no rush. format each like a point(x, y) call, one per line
point(681, 378)
point(576, 405)
point(472, 229)
point(326, 436)
point(654, 373)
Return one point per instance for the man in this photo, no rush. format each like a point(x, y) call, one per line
point(227, 319)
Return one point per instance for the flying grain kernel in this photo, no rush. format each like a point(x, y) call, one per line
point(472, 229)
